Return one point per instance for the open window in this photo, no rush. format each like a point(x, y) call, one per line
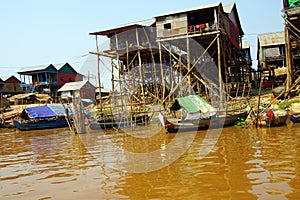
point(167, 26)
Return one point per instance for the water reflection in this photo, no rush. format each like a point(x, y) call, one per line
point(244, 164)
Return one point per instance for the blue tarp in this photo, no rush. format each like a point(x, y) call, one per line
point(40, 112)
point(51, 110)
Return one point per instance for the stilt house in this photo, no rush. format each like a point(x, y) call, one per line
point(291, 16)
point(152, 58)
point(271, 58)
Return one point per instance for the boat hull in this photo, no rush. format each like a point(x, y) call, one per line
point(270, 121)
point(109, 124)
point(277, 122)
point(214, 122)
point(45, 124)
point(294, 119)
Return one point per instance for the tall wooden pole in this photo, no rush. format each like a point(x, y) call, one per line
point(188, 63)
point(2, 107)
point(120, 68)
point(258, 102)
point(161, 72)
point(220, 72)
point(288, 59)
point(140, 67)
point(98, 68)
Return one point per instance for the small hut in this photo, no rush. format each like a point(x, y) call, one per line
point(85, 88)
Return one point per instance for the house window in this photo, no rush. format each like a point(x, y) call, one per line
point(167, 26)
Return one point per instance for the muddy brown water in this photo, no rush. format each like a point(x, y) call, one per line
point(250, 163)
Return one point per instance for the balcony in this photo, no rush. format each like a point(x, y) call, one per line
point(202, 28)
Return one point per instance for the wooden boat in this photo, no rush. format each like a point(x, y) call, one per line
point(174, 125)
point(43, 117)
point(270, 117)
point(199, 115)
point(41, 124)
point(118, 123)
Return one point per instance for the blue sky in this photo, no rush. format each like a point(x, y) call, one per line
point(35, 32)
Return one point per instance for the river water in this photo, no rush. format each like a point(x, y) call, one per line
point(240, 163)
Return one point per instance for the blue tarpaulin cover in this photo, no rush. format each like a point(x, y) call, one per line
point(40, 112)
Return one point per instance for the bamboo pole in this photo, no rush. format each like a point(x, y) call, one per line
point(99, 81)
point(171, 73)
point(129, 74)
point(2, 108)
point(161, 72)
point(237, 89)
point(153, 62)
point(140, 68)
point(258, 103)
point(181, 64)
point(188, 62)
point(220, 71)
point(180, 82)
point(244, 87)
point(288, 59)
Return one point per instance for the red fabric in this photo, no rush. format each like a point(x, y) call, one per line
point(271, 115)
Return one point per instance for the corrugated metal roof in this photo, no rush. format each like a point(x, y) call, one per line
point(213, 5)
point(103, 90)
point(4, 78)
point(72, 86)
point(142, 23)
point(147, 22)
point(34, 68)
point(270, 39)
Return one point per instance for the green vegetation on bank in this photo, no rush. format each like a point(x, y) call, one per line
point(287, 103)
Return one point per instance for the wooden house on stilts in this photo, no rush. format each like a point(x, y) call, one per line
point(211, 36)
point(192, 51)
point(291, 16)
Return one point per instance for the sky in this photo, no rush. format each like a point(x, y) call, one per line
point(35, 32)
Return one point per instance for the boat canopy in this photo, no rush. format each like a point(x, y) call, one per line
point(47, 111)
point(196, 104)
point(40, 112)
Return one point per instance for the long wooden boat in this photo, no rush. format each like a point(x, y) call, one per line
point(174, 125)
point(199, 114)
point(271, 117)
point(43, 117)
point(41, 124)
point(118, 123)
